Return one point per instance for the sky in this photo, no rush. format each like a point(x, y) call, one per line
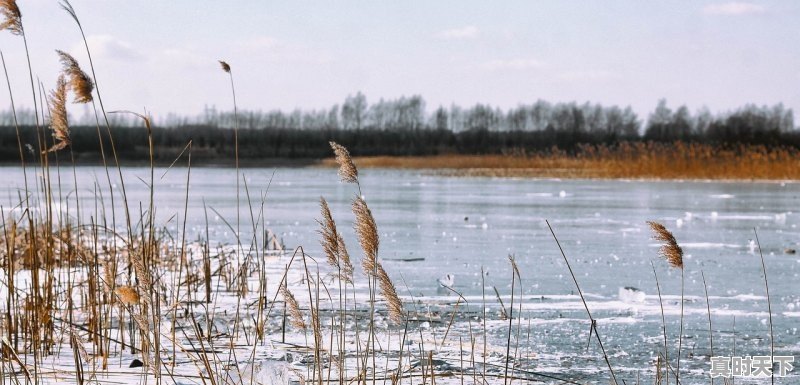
point(162, 55)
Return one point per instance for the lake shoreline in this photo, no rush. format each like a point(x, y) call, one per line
point(631, 167)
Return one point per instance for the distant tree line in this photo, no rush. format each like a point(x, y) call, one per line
point(404, 127)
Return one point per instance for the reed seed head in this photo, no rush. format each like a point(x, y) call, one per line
point(344, 260)
point(347, 169)
point(65, 5)
point(367, 232)
point(58, 115)
point(333, 244)
point(81, 84)
point(669, 249)
point(389, 293)
point(127, 295)
point(12, 17)
point(329, 234)
point(109, 275)
point(225, 66)
point(142, 273)
point(295, 315)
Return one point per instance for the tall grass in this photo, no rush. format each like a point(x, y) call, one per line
point(673, 254)
point(98, 296)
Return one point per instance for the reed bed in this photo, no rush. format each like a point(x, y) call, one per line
point(90, 295)
point(633, 160)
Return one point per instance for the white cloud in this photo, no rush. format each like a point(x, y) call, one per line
point(468, 32)
point(109, 47)
point(733, 8)
point(513, 64)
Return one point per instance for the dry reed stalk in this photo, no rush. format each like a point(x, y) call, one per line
point(66, 6)
point(338, 257)
point(10, 351)
point(367, 232)
point(79, 345)
point(663, 328)
point(81, 84)
point(227, 69)
point(295, 315)
point(13, 17)
point(514, 274)
point(347, 169)
point(593, 326)
point(58, 115)
point(144, 328)
point(769, 307)
point(710, 328)
point(673, 253)
point(79, 352)
point(389, 293)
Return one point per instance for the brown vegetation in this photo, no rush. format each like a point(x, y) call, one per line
point(627, 160)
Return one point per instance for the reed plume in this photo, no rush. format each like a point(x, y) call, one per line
point(58, 116)
point(141, 273)
point(225, 66)
point(333, 244)
point(81, 84)
point(389, 293)
point(127, 295)
point(12, 17)
point(367, 232)
point(329, 234)
point(344, 258)
point(295, 315)
point(109, 275)
point(347, 169)
point(669, 249)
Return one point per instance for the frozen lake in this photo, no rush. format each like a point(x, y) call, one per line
point(431, 226)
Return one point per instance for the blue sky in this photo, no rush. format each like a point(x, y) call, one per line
point(161, 55)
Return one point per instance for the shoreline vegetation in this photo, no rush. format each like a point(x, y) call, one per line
point(635, 160)
point(108, 292)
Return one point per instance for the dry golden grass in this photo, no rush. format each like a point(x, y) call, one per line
point(393, 304)
point(669, 249)
point(81, 84)
point(58, 115)
point(367, 232)
point(347, 170)
point(293, 308)
point(127, 295)
point(626, 160)
point(13, 17)
point(333, 244)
